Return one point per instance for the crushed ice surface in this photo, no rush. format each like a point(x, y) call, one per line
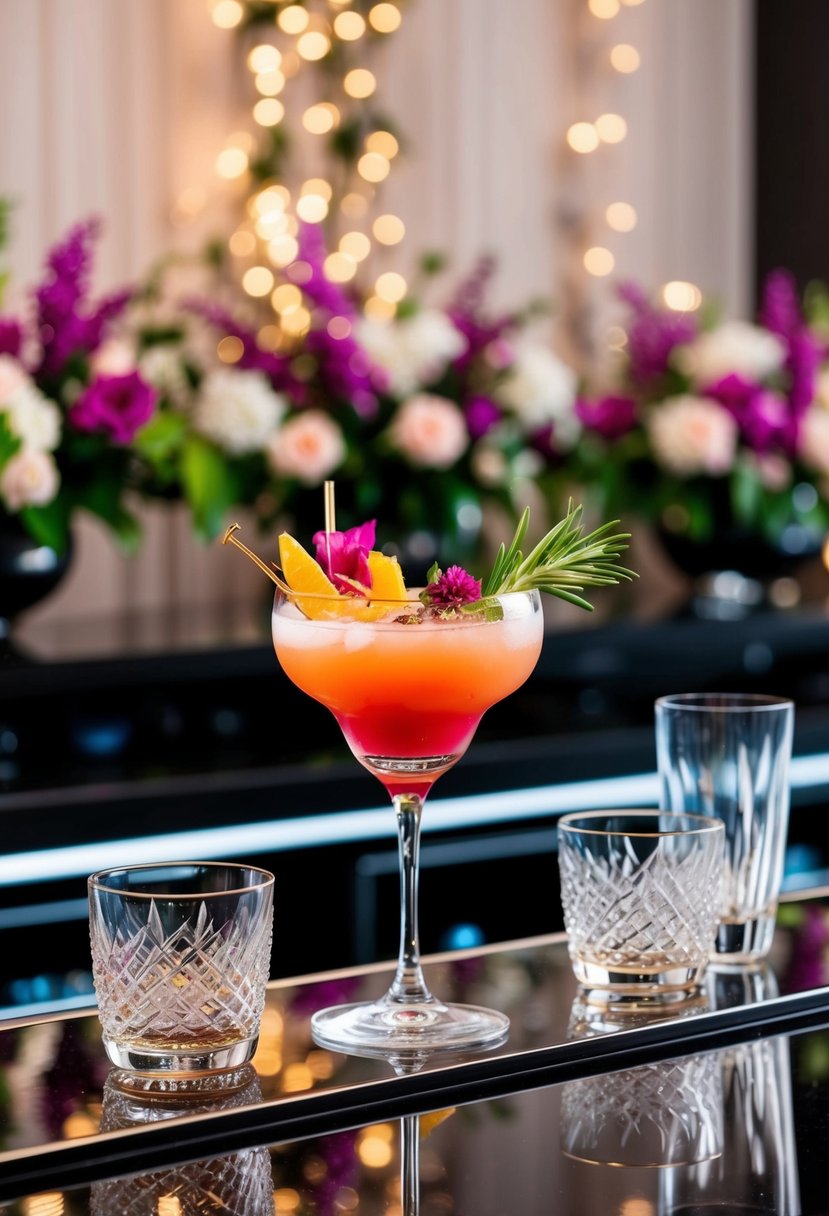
point(301, 633)
point(357, 637)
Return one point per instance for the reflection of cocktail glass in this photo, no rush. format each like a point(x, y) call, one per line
point(408, 695)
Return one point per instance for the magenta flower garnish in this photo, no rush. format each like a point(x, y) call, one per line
point(115, 405)
point(344, 555)
point(453, 589)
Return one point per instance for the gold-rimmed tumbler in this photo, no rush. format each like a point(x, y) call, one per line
point(181, 957)
point(640, 893)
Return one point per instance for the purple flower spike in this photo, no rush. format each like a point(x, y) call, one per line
point(344, 555)
point(653, 333)
point(803, 363)
point(611, 417)
point(780, 307)
point(453, 589)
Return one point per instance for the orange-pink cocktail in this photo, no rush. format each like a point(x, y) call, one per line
point(409, 695)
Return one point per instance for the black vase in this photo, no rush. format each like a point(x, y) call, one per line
point(29, 571)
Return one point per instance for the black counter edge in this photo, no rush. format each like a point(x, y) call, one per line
point(151, 1147)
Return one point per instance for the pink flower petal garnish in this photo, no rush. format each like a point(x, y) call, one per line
point(344, 555)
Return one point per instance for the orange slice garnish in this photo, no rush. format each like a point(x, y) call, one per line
point(317, 597)
point(432, 1120)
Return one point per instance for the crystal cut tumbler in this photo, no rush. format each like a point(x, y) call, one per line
point(640, 892)
point(181, 958)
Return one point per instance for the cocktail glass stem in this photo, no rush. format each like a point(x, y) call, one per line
point(410, 1164)
point(408, 984)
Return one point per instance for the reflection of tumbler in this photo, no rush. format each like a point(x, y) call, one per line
point(239, 1184)
point(667, 1113)
point(757, 1172)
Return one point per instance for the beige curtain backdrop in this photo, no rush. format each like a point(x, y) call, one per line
point(119, 108)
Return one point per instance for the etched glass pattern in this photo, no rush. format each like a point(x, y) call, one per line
point(181, 970)
point(667, 1113)
point(640, 892)
point(239, 1184)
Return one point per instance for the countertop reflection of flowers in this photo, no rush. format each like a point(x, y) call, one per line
point(71, 402)
point(706, 422)
point(419, 419)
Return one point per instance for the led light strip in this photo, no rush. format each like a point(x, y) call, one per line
point(343, 827)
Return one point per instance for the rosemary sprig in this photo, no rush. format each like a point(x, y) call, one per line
point(563, 562)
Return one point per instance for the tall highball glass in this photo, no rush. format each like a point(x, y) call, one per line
point(728, 755)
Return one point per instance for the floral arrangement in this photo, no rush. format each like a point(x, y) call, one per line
point(421, 419)
point(707, 427)
point(71, 404)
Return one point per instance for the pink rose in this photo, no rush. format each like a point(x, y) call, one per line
point(308, 447)
point(430, 431)
point(813, 442)
point(12, 377)
point(29, 479)
point(115, 357)
point(692, 435)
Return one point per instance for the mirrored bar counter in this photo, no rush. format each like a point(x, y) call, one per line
point(722, 1097)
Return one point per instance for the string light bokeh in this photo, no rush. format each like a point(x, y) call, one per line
point(598, 234)
point(318, 154)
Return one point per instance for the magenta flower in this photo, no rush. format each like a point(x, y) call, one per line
point(611, 417)
point(115, 405)
point(344, 555)
point(482, 414)
point(453, 589)
point(767, 420)
point(11, 336)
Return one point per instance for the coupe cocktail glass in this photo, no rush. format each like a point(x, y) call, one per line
point(408, 696)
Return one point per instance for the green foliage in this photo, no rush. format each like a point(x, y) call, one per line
point(563, 562)
point(49, 525)
point(9, 442)
point(210, 485)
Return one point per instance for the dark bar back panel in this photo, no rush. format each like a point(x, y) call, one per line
point(792, 138)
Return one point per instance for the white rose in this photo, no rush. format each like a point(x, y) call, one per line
point(13, 376)
point(430, 431)
point(33, 417)
point(813, 444)
point(30, 478)
point(161, 366)
point(691, 435)
point(733, 348)
point(308, 447)
point(489, 464)
point(541, 389)
point(115, 357)
point(414, 351)
point(238, 410)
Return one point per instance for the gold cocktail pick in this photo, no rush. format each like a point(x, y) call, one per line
point(231, 537)
point(330, 518)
